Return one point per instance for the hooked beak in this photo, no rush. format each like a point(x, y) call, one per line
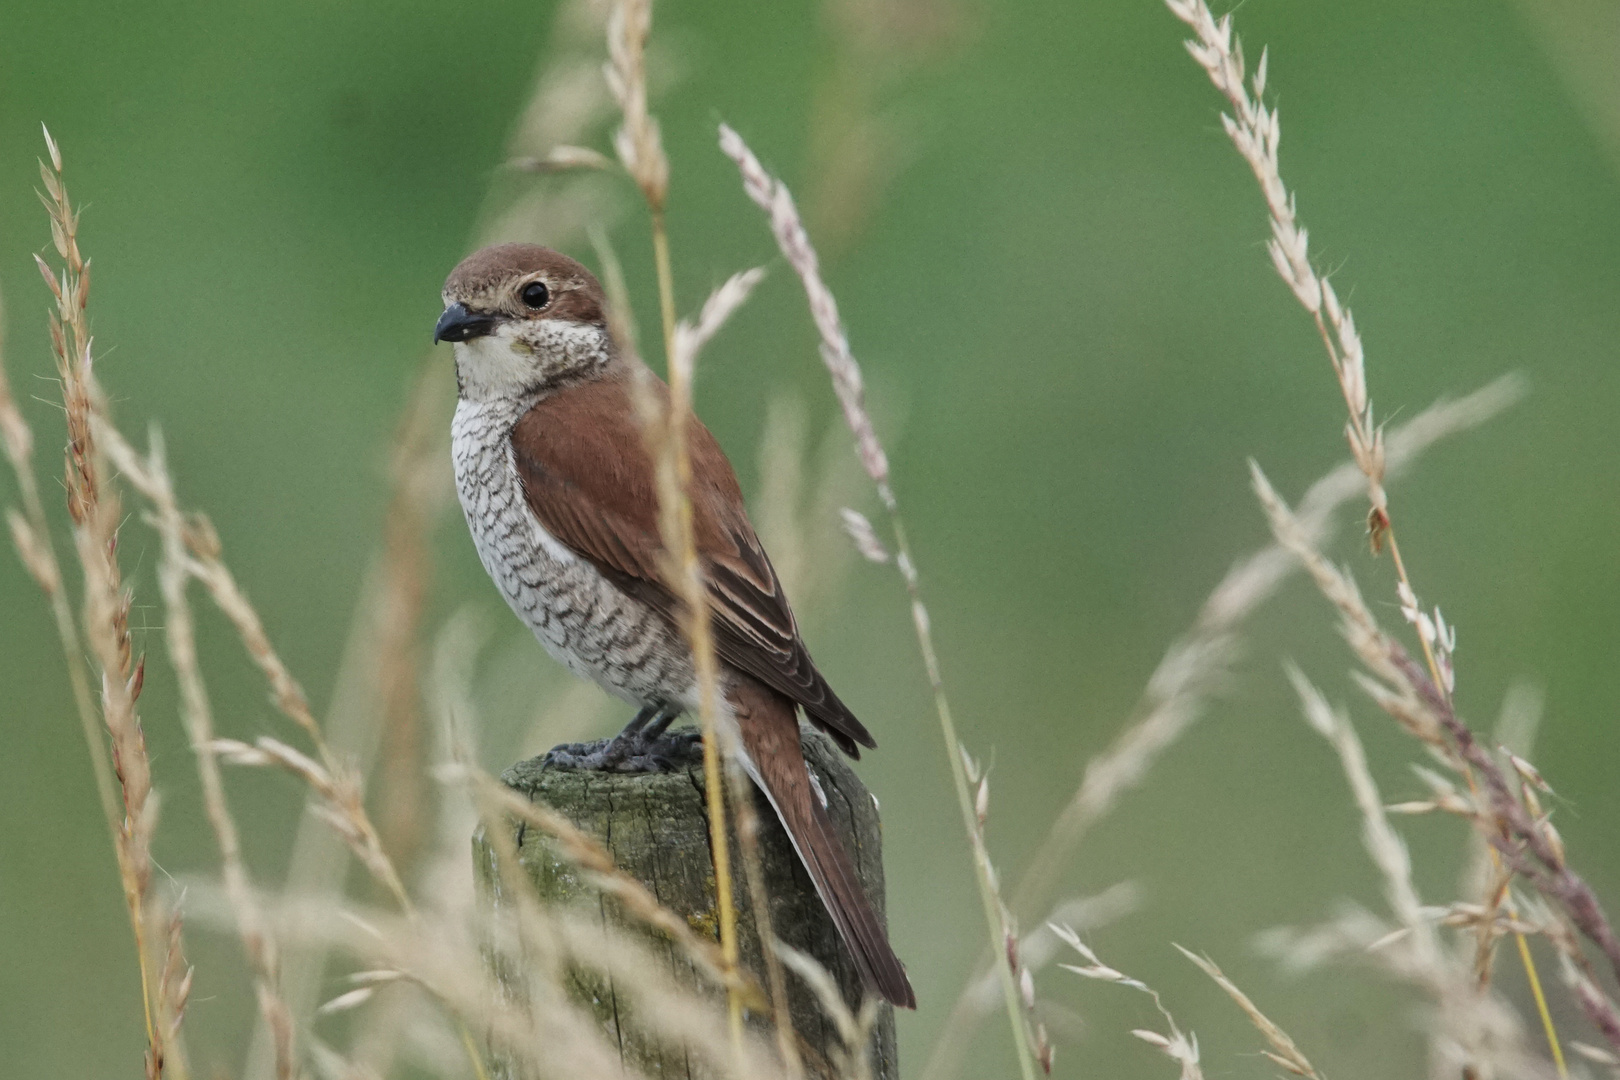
point(459, 324)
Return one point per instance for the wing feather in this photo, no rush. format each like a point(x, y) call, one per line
point(589, 479)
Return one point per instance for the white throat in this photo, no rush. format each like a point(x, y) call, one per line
point(518, 357)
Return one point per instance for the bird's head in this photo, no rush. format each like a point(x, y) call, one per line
point(523, 317)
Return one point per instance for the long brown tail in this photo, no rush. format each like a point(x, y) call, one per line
point(769, 727)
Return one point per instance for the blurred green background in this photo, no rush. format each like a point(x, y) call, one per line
point(1073, 334)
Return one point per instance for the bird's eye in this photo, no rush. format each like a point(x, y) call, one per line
point(536, 295)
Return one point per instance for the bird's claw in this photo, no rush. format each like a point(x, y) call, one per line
point(627, 753)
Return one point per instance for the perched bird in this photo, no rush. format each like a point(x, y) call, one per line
point(559, 491)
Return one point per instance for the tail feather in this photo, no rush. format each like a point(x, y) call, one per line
point(775, 761)
point(840, 890)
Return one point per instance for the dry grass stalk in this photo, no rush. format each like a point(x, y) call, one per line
point(383, 642)
point(151, 477)
point(192, 551)
point(665, 433)
point(549, 1035)
point(1198, 663)
point(1468, 1033)
point(1040, 947)
point(738, 790)
point(1472, 1030)
point(418, 492)
point(669, 1011)
point(500, 808)
point(804, 490)
point(621, 315)
point(637, 141)
point(1526, 840)
point(584, 852)
point(1406, 691)
point(1180, 1047)
point(863, 536)
point(640, 149)
point(810, 560)
point(773, 196)
point(1020, 972)
point(1383, 844)
point(104, 627)
point(563, 158)
point(568, 102)
point(1486, 877)
point(172, 996)
point(1283, 1050)
point(1582, 981)
point(30, 533)
point(1256, 132)
point(854, 1029)
point(196, 555)
point(1195, 668)
point(546, 943)
point(337, 795)
point(667, 439)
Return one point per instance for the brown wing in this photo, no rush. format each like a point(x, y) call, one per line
point(589, 479)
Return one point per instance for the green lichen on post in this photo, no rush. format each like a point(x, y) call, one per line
point(655, 828)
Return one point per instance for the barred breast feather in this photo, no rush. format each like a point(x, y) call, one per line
point(581, 618)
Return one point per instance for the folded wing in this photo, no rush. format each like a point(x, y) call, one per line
point(589, 479)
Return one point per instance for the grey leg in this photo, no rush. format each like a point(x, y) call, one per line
point(639, 721)
point(627, 742)
point(643, 745)
point(659, 722)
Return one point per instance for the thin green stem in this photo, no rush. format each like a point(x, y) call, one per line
point(78, 677)
point(708, 674)
point(1544, 1014)
point(998, 928)
point(666, 283)
point(471, 1047)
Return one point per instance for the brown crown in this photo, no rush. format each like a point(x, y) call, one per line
point(489, 279)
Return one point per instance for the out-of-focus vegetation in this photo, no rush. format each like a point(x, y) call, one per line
point(1053, 271)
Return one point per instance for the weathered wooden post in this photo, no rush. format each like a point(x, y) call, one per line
point(655, 827)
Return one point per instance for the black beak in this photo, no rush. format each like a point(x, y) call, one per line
point(459, 324)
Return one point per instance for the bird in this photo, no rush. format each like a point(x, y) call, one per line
point(558, 487)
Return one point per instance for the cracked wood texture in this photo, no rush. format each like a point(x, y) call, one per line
point(656, 829)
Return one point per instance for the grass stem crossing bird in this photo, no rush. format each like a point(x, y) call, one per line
point(559, 491)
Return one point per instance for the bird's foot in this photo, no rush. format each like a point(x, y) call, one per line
point(629, 752)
